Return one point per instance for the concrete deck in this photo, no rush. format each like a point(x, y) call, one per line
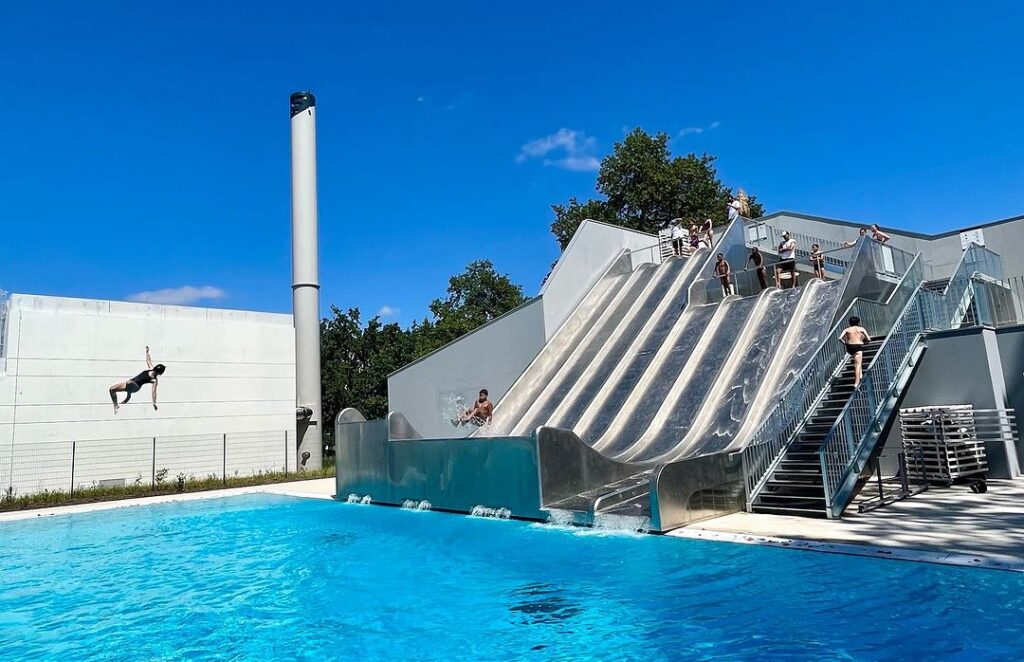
point(950, 524)
point(321, 488)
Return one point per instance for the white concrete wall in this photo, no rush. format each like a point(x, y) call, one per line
point(434, 389)
point(228, 372)
point(588, 255)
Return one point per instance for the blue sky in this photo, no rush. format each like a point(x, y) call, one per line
point(146, 145)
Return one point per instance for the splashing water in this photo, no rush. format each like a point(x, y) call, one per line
point(453, 406)
point(412, 504)
point(621, 523)
point(366, 500)
point(352, 498)
point(560, 517)
point(495, 513)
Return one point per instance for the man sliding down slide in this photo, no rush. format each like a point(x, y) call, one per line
point(148, 376)
point(479, 414)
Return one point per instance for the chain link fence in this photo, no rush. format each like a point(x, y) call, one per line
point(67, 466)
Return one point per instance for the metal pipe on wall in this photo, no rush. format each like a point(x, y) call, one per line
point(306, 281)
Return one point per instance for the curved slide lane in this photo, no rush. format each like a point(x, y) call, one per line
point(661, 307)
point(546, 402)
point(741, 379)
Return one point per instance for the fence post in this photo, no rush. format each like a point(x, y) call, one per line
point(153, 483)
point(286, 452)
point(73, 451)
point(224, 460)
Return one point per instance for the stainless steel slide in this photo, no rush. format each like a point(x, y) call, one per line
point(742, 377)
point(589, 347)
point(645, 325)
point(676, 412)
point(525, 389)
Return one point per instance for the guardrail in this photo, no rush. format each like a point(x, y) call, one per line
point(29, 467)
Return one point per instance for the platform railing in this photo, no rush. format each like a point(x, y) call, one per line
point(768, 237)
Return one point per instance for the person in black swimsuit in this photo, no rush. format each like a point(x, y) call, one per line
point(148, 376)
point(758, 261)
point(854, 337)
point(817, 261)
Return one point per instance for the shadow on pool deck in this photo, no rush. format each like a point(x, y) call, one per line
point(941, 519)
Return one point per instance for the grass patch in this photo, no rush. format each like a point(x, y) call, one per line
point(180, 484)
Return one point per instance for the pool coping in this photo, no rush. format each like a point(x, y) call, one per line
point(281, 489)
point(963, 559)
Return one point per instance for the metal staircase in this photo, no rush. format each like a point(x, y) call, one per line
point(811, 466)
point(797, 487)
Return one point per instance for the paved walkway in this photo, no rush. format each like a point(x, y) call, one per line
point(321, 488)
point(948, 521)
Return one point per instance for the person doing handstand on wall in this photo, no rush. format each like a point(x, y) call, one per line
point(148, 376)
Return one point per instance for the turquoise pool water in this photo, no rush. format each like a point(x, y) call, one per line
point(275, 578)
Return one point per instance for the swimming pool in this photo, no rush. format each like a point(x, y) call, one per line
point(264, 577)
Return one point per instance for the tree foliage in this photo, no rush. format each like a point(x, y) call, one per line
point(645, 187)
point(356, 358)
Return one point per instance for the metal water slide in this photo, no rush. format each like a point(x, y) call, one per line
point(648, 322)
point(641, 281)
point(538, 373)
point(794, 320)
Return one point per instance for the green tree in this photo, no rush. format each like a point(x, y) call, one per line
point(645, 187)
point(356, 361)
point(476, 296)
point(356, 358)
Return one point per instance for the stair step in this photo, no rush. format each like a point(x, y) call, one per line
point(779, 510)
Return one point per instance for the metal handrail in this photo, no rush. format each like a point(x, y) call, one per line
point(780, 425)
point(845, 440)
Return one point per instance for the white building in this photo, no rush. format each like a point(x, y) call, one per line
point(226, 402)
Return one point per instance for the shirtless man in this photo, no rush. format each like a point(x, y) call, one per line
point(757, 260)
point(817, 261)
point(878, 235)
point(148, 376)
point(479, 414)
point(854, 337)
point(860, 233)
point(724, 273)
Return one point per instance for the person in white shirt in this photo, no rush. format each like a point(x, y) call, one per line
point(787, 261)
point(679, 236)
point(734, 210)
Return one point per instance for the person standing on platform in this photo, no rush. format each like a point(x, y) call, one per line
point(757, 260)
point(817, 261)
point(724, 273)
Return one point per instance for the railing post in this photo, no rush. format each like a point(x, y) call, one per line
point(848, 433)
point(73, 451)
point(153, 483)
point(224, 459)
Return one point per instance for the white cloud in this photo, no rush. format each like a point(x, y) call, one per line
point(572, 150)
point(697, 130)
point(388, 311)
point(179, 295)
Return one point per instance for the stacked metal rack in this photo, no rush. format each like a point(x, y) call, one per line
point(946, 443)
